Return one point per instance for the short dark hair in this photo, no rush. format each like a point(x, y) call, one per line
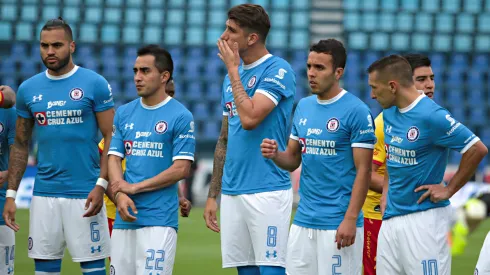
point(163, 59)
point(417, 60)
point(252, 17)
point(58, 23)
point(334, 48)
point(393, 66)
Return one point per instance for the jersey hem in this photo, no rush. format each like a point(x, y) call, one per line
point(136, 227)
point(42, 257)
point(183, 157)
point(231, 265)
point(323, 227)
point(254, 191)
point(61, 195)
point(362, 145)
point(385, 217)
point(294, 137)
point(87, 259)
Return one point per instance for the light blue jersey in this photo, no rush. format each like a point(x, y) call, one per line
point(151, 138)
point(328, 131)
point(246, 171)
point(64, 109)
point(417, 140)
point(7, 135)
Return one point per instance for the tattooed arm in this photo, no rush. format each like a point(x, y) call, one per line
point(216, 179)
point(19, 153)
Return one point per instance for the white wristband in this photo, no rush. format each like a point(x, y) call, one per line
point(11, 194)
point(102, 182)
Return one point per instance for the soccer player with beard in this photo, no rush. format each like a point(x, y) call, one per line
point(66, 105)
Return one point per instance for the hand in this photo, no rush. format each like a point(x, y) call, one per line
point(124, 186)
point(123, 202)
point(436, 192)
point(268, 148)
point(95, 201)
point(3, 177)
point(346, 233)
point(210, 215)
point(185, 206)
point(229, 56)
point(9, 214)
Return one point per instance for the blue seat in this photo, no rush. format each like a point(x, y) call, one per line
point(482, 43)
point(473, 6)
point(409, 5)
point(422, 22)
point(194, 91)
point(465, 23)
point(217, 110)
point(129, 88)
point(214, 91)
point(108, 52)
point(134, 3)
point(369, 58)
point(278, 38)
point(35, 51)
point(131, 34)
point(389, 5)
point(213, 68)
point(154, 16)
point(130, 53)
point(93, 15)
point(196, 3)
point(200, 111)
point(485, 136)
point(463, 43)
point(400, 41)
point(300, 19)
point(6, 66)
point(175, 3)
point(29, 13)
point(351, 21)
point(430, 6)
point(193, 68)
point(110, 67)
point(71, 14)
point(218, 4)
point(10, 81)
point(454, 96)
point(110, 34)
point(24, 32)
point(480, 62)
point(369, 21)
point(478, 116)
point(173, 35)
point(442, 42)
point(211, 130)
point(152, 35)
point(459, 62)
point(212, 36)
point(351, 4)
point(91, 64)
point(9, 12)
point(299, 39)
point(484, 22)
point(27, 68)
point(155, 3)
point(197, 17)
point(5, 31)
point(476, 96)
point(451, 6)
point(112, 15)
point(195, 36)
point(279, 19)
point(88, 33)
point(281, 4)
point(115, 87)
point(96, 3)
point(85, 51)
point(217, 17)
point(444, 23)
point(387, 22)
point(358, 40)
point(175, 17)
point(421, 42)
point(405, 22)
point(475, 80)
point(114, 3)
point(455, 77)
point(50, 12)
point(379, 41)
point(133, 16)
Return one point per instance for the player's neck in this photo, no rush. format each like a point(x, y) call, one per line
point(253, 55)
point(64, 70)
point(331, 93)
point(406, 97)
point(155, 99)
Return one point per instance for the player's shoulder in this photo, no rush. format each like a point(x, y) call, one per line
point(278, 65)
point(90, 76)
point(33, 82)
point(307, 101)
point(352, 102)
point(127, 109)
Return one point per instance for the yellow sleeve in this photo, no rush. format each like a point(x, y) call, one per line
point(379, 154)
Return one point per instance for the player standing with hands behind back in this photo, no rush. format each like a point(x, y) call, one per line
point(67, 105)
point(257, 102)
point(333, 138)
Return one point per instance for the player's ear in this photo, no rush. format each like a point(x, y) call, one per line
point(252, 39)
point(165, 76)
point(72, 47)
point(339, 72)
point(393, 86)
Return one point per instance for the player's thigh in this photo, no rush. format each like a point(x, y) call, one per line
point(331, 260)
point(483, 264)
point(426, 249)
point(301, 251)
point(268, 217)
point(155, 250)
point(87, 238)
point(123, 251)
point(388, 259)
point(7, 250)
point(371, 231)
point(236, 244)
point(46, 240)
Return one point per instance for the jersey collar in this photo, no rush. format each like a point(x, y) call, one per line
point(257, 63)
point(333, 99)
point(412, 105)
point(155, 106)
point(63, 76)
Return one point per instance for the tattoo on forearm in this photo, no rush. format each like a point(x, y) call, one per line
point(19, 152)
point(239, 93)
point(219, 162)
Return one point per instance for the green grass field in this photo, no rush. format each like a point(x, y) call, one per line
point(198, 250)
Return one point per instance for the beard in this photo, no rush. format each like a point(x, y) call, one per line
point(62, 62)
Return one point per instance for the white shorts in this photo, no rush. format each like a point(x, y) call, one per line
point(415, 244)
point(483, 264)
point(7, 250)
point(254, 228)
point(144, 251)
point(57, 223)
point(314, 251)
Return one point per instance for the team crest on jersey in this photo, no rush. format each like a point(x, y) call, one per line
point(30, 243)
point(41, 118)
point(252, 81)
point(76, 94)
point(1, 128)
point(128, 147)
point(333, 125)
point(413, 134)
point(302, 143)
point(161, 127)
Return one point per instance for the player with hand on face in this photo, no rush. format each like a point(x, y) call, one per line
point(257, 101)
point(333, 139)
point(66, 105)
point(415, 202)
point(154, 134)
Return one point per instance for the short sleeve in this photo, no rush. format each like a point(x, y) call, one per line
point(277, 82)
point(362, 129)
point(103, 99)
point(184, 143)
point(449, 133)
point(21, 104)
point(11, 126)
point(294, 129)
point(379, 154)
point(117, 143)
